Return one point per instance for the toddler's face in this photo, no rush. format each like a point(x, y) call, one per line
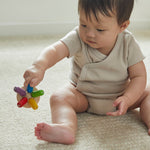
point(100, 34)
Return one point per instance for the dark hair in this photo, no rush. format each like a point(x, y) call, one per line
point(122, 8)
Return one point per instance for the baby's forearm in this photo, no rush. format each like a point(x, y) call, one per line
point(51, 55)
point(47, 58)
point(135, 89)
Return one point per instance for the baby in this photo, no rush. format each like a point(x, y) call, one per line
point(108, 74)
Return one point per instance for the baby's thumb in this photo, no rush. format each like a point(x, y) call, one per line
point(116, 102)
point(26, 82)
point(34, 82)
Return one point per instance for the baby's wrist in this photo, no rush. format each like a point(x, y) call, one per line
point(39, 66)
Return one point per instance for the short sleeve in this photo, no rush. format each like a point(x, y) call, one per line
point(72, 41)
point(135, 54)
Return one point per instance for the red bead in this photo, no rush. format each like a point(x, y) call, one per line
point(22, 102)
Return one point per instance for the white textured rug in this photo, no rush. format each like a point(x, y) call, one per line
point(94, 132)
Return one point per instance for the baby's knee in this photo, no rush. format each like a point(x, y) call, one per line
point(54, 98)
point(57, 98)
point(147, 92)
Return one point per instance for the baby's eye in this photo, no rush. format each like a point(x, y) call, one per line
point(99, 30)
point(83, 25)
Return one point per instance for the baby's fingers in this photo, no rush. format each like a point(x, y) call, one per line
point(27, 81)
point(27, 76)
point(116, 113)
point(117, 102)
point(34, 82)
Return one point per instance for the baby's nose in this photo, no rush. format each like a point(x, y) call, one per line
point(90, 33)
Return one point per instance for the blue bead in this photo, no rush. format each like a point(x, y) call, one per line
point(29, 89)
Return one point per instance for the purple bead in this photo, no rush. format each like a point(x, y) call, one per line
point(20, 91)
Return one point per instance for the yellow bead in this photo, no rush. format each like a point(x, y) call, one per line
point(33, 103)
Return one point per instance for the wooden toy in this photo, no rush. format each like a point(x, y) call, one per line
point(29, 97)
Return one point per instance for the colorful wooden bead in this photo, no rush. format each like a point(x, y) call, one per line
point(29, 89)
point(33, 103)
point(20, 91)
point(37, 93)
point(22, 102)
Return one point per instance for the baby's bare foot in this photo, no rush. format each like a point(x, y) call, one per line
point(58, 133)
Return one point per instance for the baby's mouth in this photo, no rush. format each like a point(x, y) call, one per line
point(91, 42)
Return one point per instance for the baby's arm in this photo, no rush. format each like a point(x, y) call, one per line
point(49, 57)
point(137, 75)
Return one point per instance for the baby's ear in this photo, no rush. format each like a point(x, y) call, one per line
point(124, 25)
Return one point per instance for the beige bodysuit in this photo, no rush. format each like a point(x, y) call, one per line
point(99, 77)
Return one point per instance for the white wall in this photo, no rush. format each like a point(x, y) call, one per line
point(140, 18)
point(28, 17)
point(37, 16)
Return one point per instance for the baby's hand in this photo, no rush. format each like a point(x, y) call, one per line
point(122, 104)
point(33, 75)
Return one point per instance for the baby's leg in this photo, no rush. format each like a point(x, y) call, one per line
point(144, 104)
point(145, 110)
point(64, 105)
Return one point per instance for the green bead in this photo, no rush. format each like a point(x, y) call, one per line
point(37, 93)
